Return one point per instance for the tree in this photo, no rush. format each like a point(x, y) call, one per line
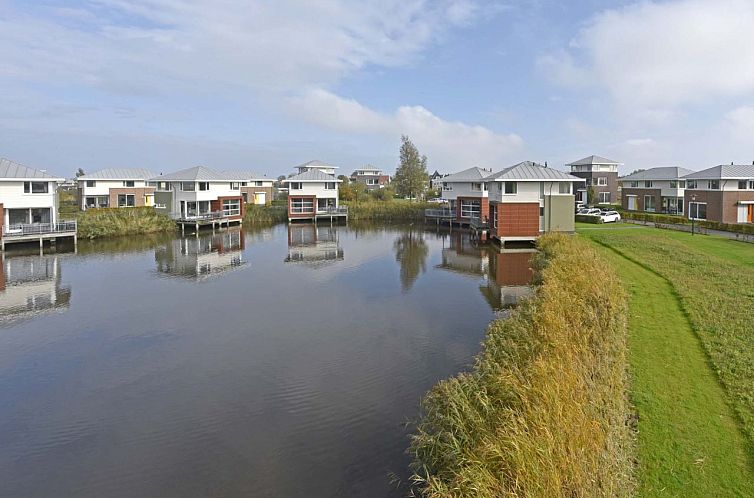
point(411, 253)
point(411, 176)
point(591, 196)
point(80, 172)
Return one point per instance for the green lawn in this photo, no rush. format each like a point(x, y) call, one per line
point(690, 323)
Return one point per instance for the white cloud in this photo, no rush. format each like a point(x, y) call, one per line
point(448, 144)
point(659, 56)
point(740, 123)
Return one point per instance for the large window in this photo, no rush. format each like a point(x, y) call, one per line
point(649, 203)
point(129, 183)
point(126, 200)
point(231, 207)
point(91, 183)
point(235, 185)
point(295, 185)
point(36, 187)
point(188, 186)
point(648, 184)
point(99, 201)
point(330, 185)
point(692, 184)
point(203, 185)
point(470, 209)
point(602, 181)
point(698, 210)
point(604, 198)
point(477, 187)
point(300, 206)
point(713, 184)
point(564, 187)
point(371, 181)
point(510, 187)
point(258, 183)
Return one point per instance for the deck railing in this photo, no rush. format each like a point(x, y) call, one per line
point(23, 229)
point(439, 213)
point(478, 224)
point(333, 210)
point(214, 215)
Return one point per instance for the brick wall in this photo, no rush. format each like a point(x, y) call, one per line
point(517, 219)
point(640, 193)
point(138, 192)
point(250, 190)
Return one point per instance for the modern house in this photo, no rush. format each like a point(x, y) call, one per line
point(316, 165)
point(199, 196)
point(29, 205)
point(599, 173)
point(655, 190)
point(116, 187)
point(723, 193)
point(435, 180)
point(197, 258)
point(255, 188)
point(466, 194)
point(371, 177)
point(528, 199)
point(313, 194)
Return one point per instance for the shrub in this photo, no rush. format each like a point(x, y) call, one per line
point(108, 222)
point(265, 215)
point(394, 210)
point(589, 218)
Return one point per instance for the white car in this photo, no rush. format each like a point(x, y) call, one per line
point(610, 216)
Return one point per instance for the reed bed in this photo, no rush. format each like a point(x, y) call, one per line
point(389, 211)
point(109, 222)
point(544, 410)
point(265, 215)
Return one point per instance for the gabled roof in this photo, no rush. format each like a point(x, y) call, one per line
point(367, 167)
point(661, 173)
point(10, 169)
point(314, 175)
point(315, 164)
point(531, 171)
point(468, 175)
point(592, 160)
point(724, 171)
point(119, 174)
point(245, 175)
point(195, 174)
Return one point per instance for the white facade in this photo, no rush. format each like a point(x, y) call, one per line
point(453, 190)
point(527, 190)
point(324, 168)
point(201, 193)
point(320, 190)
point(32, 200)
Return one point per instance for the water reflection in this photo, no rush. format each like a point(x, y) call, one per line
point(411, 252)
point(313, 245)
point(509, 279)
point(200, 256)
point(30, 285)
point(464, 256)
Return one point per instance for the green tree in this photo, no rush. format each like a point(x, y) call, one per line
point(411, 176)
point(411, 253)
point(591, 196)
point(80, 172)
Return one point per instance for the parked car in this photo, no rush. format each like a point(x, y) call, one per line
point(593, 211)
point(610, 216)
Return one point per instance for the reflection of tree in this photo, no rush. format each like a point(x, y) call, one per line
point(411, 252)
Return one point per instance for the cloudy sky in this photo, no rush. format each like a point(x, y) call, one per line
point(268, 84)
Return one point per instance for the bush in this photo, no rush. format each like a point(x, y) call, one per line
point(544, 410)
point(659, 218)
point(265, 215)
point(588, 218)
point(108, 222)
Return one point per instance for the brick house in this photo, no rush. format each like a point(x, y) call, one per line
point(255, 188)
point(655, 190)
point(599, 173)
point(116, 187)
point(723, 193)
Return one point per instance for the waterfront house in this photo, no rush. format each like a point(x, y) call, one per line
point(316, 165)
point(655, 190)
point(313, 194)
point(116, 187)
point(199, 257)
point(370, 176)
point(255, 188)
point(723, 193)
point(599, 173)
point(466, 194)
point(528, 199)
point(199, 194)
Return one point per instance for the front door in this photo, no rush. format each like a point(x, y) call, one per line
point(260, 198)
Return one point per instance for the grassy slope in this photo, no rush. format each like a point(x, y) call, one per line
point(690, 442)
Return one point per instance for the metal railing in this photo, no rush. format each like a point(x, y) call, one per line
point(214, 215)
point(333, 210)
point(22, 229)
point(439, 213)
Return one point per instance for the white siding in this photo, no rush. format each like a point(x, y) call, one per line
point(462, 189)
point(316, 189)
point(12, 196)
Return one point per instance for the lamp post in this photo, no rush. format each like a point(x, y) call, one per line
point(693, 199)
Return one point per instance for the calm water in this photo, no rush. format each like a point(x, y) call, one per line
point(281, 362)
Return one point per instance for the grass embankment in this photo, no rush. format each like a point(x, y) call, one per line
point(110, 222)
point(544, 411)
point(690, 300)
point(392, 210)
point(264, 215)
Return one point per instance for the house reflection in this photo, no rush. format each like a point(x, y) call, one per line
point(200, 256)
point(509, 277)
point(30, 285)
point(464, 256)
point(313, 245)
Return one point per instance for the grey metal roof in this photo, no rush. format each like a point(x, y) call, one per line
point(196, 174)
point(314, 175)
point(724, 171)
point(661, 173)
point(10, 169)
point(119, 174)
point(592, 160)
point(368, 167)
point(315, 164)
point(245, 175)
point(531, 171)
point(468, 175)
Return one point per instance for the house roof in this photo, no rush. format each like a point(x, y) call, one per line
point(724, 171)
point(245, 175)
point(531, 171)
point(119, 174)
point(196, 174)
point(315, 164)
point(468, 175)
point(314, 175)
point(661, 173)
point(10, 169)
point(592, 160)
point(367, 167)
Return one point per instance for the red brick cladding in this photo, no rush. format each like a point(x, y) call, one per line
point(217, 205)
point(640, 193)
point(722, 205)
point(139, 194)
point(517, 219)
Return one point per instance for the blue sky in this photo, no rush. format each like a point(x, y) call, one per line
point(266, 85)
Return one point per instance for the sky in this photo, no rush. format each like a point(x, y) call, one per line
point(267, 85)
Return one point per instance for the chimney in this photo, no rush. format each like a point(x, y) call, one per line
point(545, 164)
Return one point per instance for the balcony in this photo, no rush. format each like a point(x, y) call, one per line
point(440, 214)
point(333, 211)
point(20, 230)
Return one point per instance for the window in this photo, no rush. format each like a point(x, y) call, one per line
point(692, 184)
point(300, 206)
point(203, 185)
point(126, 200)
point(510, 187)
point(588, 182)
point(602, 181)
point(470, 209)
point(446, 186)
point(128, 183)
point(100, 201)
point(371, 181)
point(231, 207)
point(188, 186)
point(235, 185)
point(649, 203)
point(742, 184)
point(681, 183)
point(91, 183)
point(647, 183)
point(604, 197)
point(698, 210)
point(564, 187)
point(673, 183)
point(633, 184)
point(36, 187)
point(295, 185)
point(476, 187)
point(330, 186)
point(713, 184)
point(258, 183)
point(751, 184)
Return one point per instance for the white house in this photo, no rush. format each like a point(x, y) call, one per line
point(313, 193)
point(316, 165)
point(27, 196)
point(116, 187)
point(467, 195)
point(198, 192)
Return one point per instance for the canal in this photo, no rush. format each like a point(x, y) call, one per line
point(285, 361)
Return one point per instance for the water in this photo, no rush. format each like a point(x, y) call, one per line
point(280, 362)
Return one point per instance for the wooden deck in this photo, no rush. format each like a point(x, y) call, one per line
point(33, 232)
point(330, 214)
point(214, 220)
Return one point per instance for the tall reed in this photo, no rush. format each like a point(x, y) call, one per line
point(108, 222)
